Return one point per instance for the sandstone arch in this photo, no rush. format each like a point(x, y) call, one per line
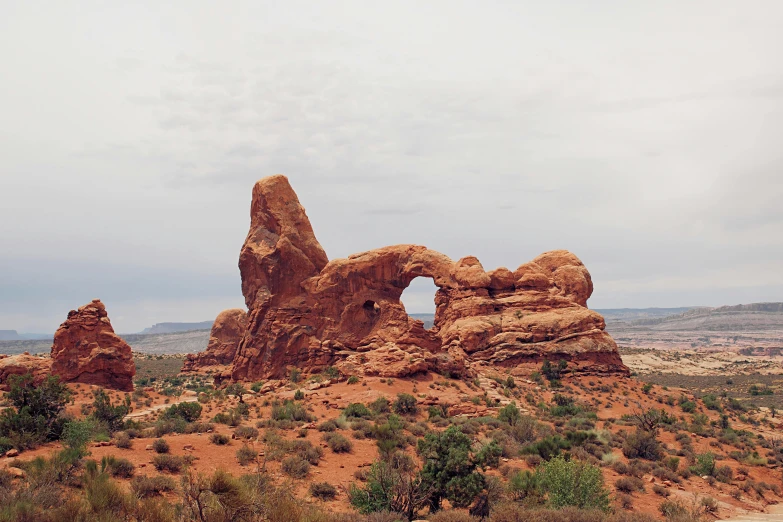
point(308, 312)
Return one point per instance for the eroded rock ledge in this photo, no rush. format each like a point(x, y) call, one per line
point(307, 312)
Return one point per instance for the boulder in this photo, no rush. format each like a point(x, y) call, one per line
point(21, 364)
point(87, 350)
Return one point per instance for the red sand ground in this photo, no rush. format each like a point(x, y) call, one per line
point(338, 469)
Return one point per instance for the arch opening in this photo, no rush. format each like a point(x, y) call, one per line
point(371, 306)
point(419, 300)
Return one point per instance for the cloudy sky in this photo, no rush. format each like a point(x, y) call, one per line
point(643, 136)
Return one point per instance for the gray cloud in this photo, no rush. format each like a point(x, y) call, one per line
point(644, 138)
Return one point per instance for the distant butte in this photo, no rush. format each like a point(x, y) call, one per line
point(307, 312)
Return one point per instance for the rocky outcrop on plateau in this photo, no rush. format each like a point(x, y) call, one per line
point(87, 350)
point(307, 312)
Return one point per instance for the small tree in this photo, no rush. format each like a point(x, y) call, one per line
point(573, 483)
point(406, 404)
point(553, 373)
point(642, 445)
point(35, 415)
point(236, 389)
point(451, 467)
point(76, 435)
point(510, 414)
point(391, 487)
point(188, 411)
point(108, 413)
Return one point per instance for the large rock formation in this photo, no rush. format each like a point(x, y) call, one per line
point(307, 312)
point(227, 331)
point(87, 350)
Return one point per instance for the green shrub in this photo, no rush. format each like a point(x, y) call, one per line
point(391, 486)
point(525, 485)
point(160, 446)
point(509, 414)
point(642, 445)
point(338, 443)
point(246, 455)
point(564, 406)
point(548, 447)
point(292, 411)
point(389, 435)
point(323, 491)
point(724, 474)
point(451, 466)
point(553, 373)
point(351, 380)
point(246, 432)
point(573, 483)
point(756, 390)
point(112, 415)
point(705, 464)
point(188, 411)
point(405, 404)
point(35, 413)
point(76, 435)
point(122, 468)
point(295, 466)
point(236, 389)
point(328, 426)
point(686, 405)
point(170, 463)
point(299, 395)
point(144, 486)
point(5, 445)
point(122, 440)
point(219, 439)
point(674, 510)
point(711, 402)
point(672, 463)
point(357, 410)
point(380, 405)
point(629, 484)
point(661, 490)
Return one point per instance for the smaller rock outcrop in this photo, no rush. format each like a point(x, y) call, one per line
point(21, 364)
point(87, 350)
point(227, 331)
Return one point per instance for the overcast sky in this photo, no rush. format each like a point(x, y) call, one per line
point(643, 136)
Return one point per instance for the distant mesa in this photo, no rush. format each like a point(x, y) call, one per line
point(307, 312)
point(85, 350)
point(754, 316)
point(9, 335)
point(164, 328)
